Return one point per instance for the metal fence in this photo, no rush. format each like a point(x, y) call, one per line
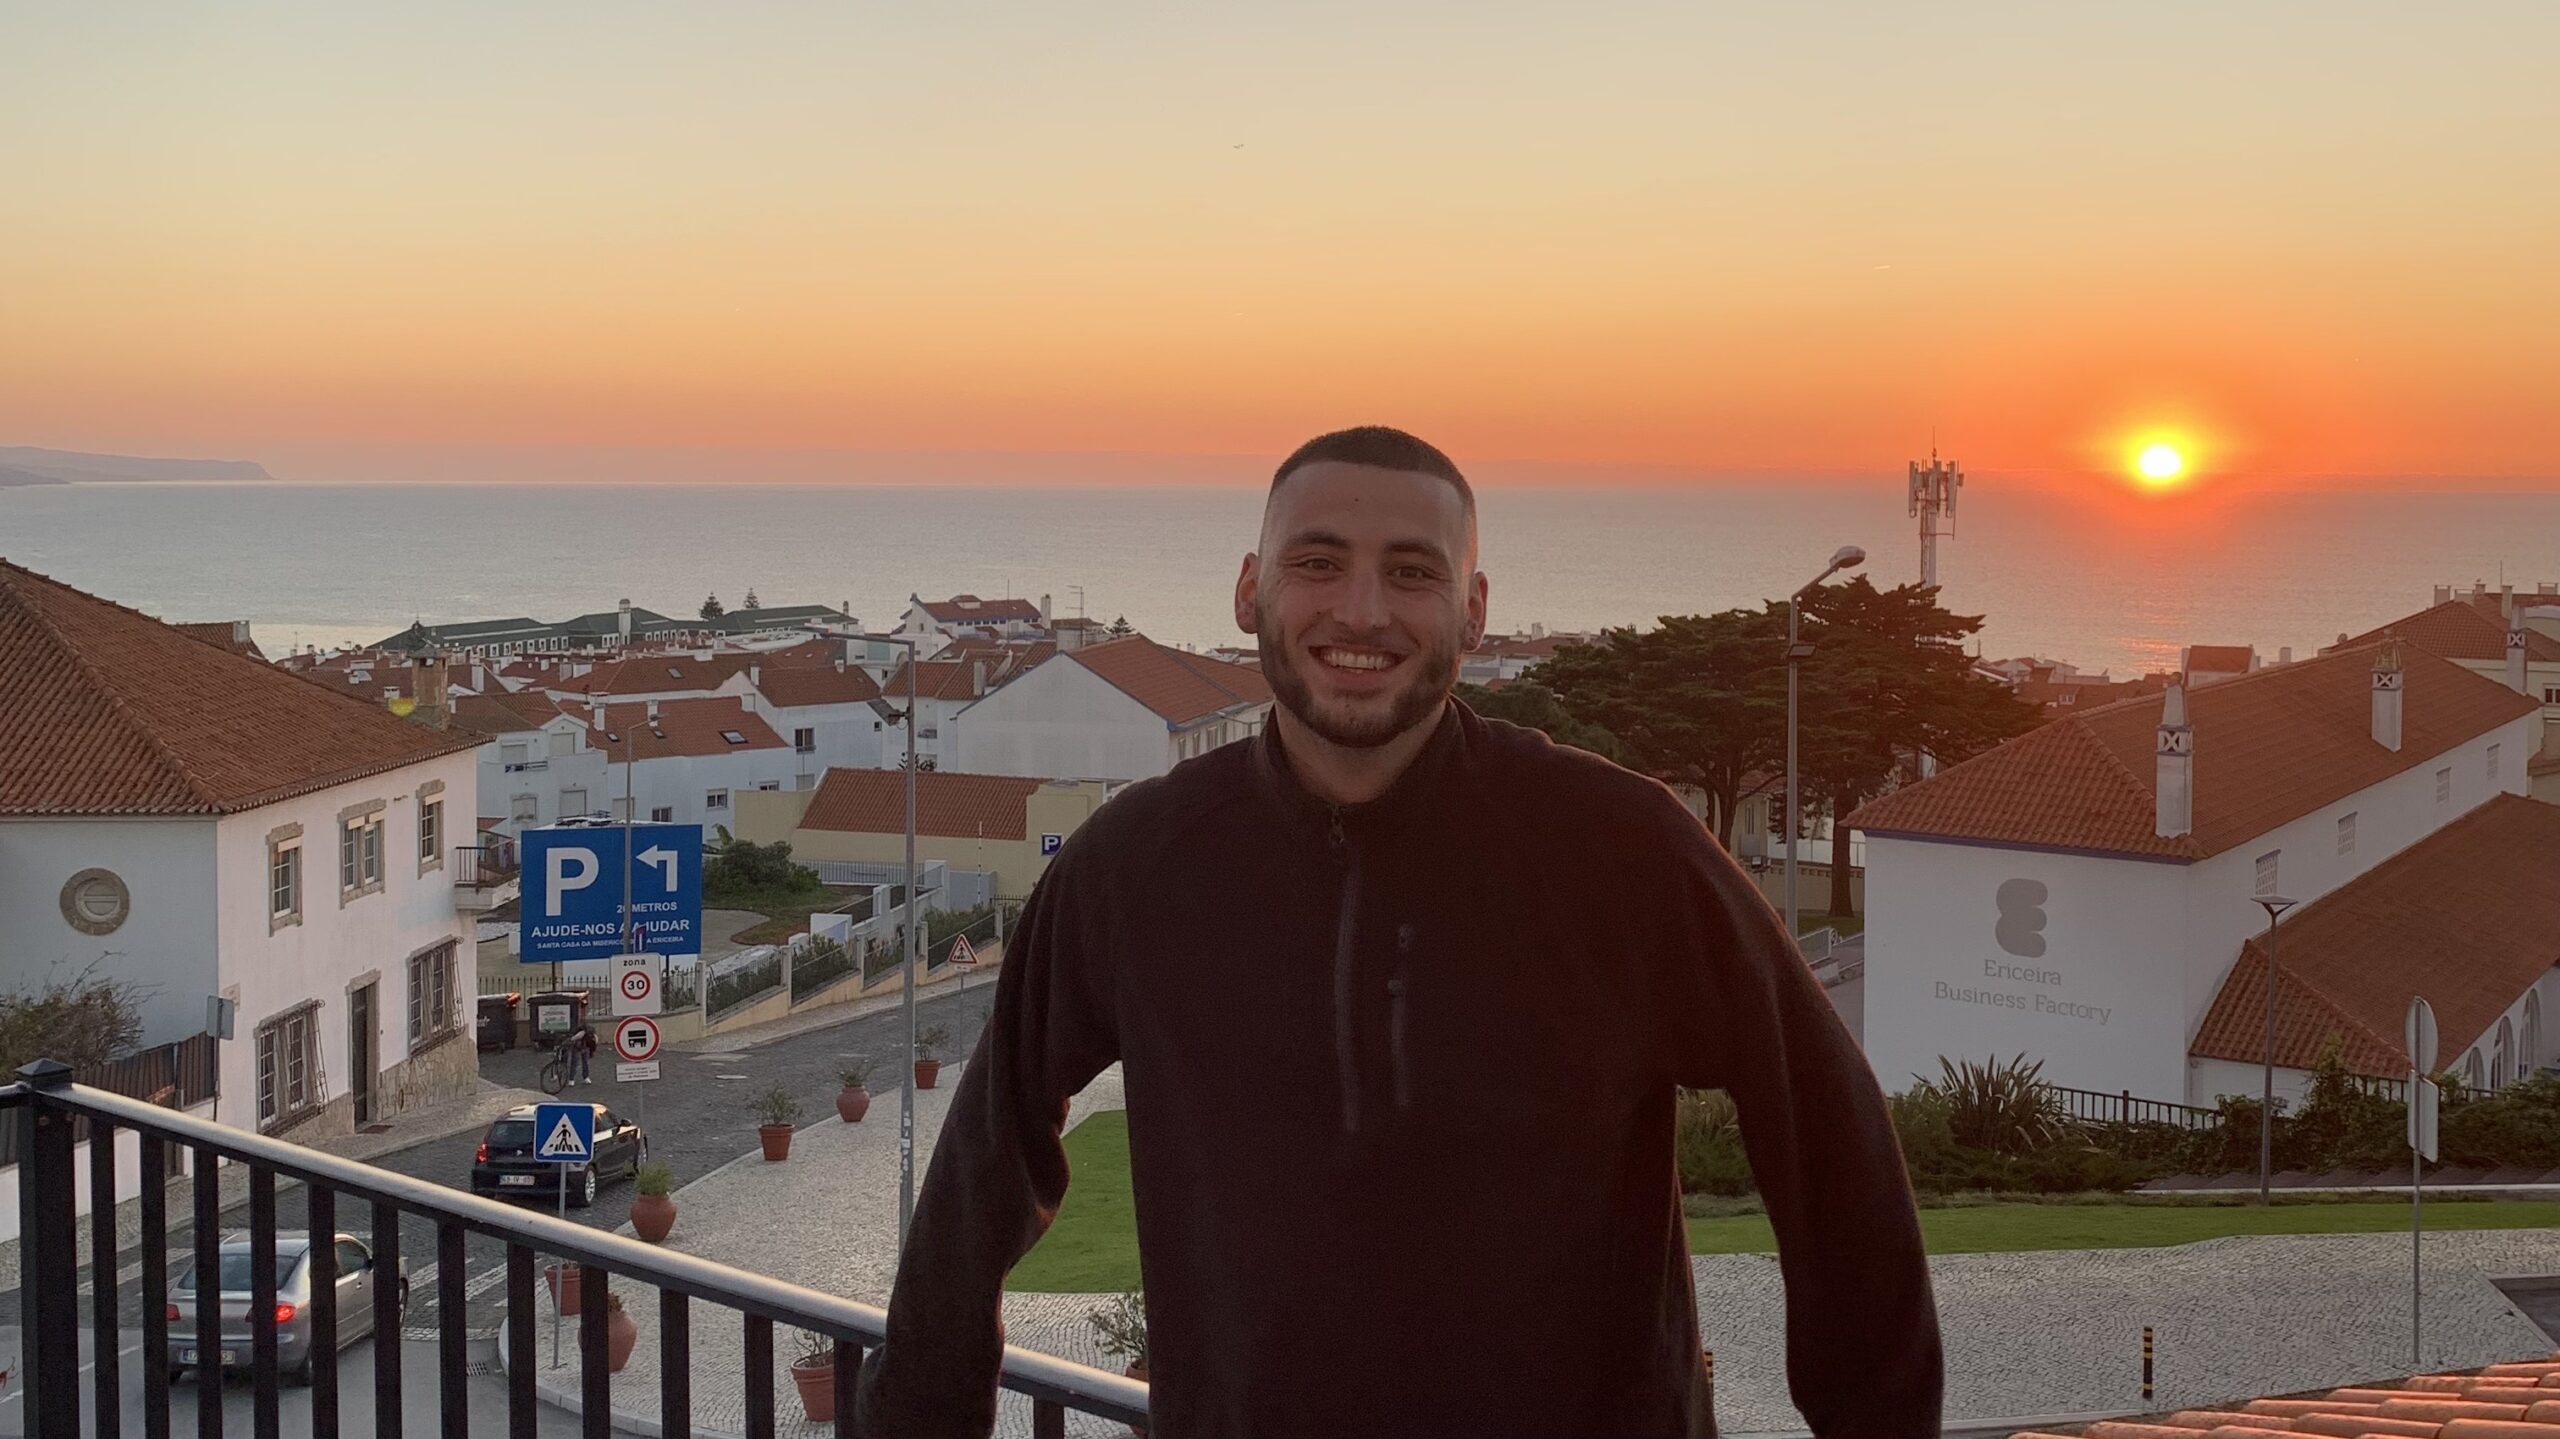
point(43, 1108)
point(2089, 1106)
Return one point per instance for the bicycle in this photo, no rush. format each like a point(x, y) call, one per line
point(555, 1072)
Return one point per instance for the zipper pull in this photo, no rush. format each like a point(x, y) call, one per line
point(1334, 834)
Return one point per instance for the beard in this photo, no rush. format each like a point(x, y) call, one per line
point(1362, 724)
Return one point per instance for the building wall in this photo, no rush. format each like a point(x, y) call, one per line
point(681, 783)
point(557, 768)
point(1062, 720)
point(1017, 863)
point(338, 948)
point(164, 947)
point(2101, 1002)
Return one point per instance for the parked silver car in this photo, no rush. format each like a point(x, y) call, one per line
point(357, 1277)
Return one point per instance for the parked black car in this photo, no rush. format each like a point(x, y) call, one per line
point(506, 1166)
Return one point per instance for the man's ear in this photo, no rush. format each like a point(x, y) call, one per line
point(1248, 587)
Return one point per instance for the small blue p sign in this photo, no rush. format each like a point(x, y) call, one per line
point(1049, 844)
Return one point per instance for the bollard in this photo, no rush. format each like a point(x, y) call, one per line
point(1711, 1371)
point(2146, 1361)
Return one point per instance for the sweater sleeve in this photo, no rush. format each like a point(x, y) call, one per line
point(996, 1177)
point(1745, 1014)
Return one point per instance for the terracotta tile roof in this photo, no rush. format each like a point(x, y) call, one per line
point(2220, 659)
point(2461, 631)
point(104, 710)
point(2269, 747)
point(819, 651)
point(971, 610)
point(955, 806)
point(2468, 917)
point(506, 712)
point(655, 674)
point(229, 634)
point(935, 680)
point(793, 685)
point(366, 676)
point(684, 727)
point(2520, 1400)
point(1178, 686)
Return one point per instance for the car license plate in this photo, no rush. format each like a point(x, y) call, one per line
point(186, 1356)
point(230, 1356)
point(515, 1181)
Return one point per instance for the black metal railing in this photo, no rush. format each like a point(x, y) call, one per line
point(2089, 1106)
point(42, 1107)
point(485, 866)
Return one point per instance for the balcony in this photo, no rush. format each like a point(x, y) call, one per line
point(485, 876)
point(42, 1109)
point(528, 766)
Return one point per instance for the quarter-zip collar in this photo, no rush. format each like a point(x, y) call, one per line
point(1416, 796)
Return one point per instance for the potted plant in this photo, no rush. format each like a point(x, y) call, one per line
point(854, 1100)
point(562, 1281)
point(653, 1214)
point(776, 1112)
point(620, 1333)
point(813, 1373)
point(1121, 1326)
point(929, 1068)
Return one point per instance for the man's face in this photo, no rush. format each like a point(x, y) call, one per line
point(1363, 596)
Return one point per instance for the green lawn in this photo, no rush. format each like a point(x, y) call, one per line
point(1093, 1248)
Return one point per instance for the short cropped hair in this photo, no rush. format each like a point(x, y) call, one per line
point(1386, 448)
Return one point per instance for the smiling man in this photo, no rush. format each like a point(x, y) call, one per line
point(1403, 1000)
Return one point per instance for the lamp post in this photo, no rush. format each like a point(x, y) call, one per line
point(2274, 905)
point(907, 1000)
point(1845, 558)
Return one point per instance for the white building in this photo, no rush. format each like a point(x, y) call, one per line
point(2082, 894)
point(968, 614)
point(204, 825)
point(831, 714)
point(1497, 660)
point(2505, 636)
point(686, 759)
point(1122, 710)
point(535, 764)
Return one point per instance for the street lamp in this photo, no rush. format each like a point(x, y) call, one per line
point(1847, 557)
point(907, 1000)
point(2274, 905)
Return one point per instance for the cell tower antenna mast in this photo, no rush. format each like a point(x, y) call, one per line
point(1933, 504)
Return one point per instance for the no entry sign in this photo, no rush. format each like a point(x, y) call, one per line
point(635, 1038)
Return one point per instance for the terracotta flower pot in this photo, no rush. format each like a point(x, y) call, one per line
point(562, 1281)
point(927, 1071)
point(620, 1333)
point(852, 1104)
point(776, 1139)
point(653, 1216)
point(816, 1381)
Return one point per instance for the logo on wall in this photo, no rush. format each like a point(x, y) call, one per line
point(2021, 927)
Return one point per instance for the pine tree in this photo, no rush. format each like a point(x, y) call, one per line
point(752, 602)
point(1120, 628)
point(711, 609)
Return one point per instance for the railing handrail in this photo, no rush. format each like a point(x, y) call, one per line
point(1024, 1371)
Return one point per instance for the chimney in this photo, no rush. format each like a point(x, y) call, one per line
point(653, 712)
point(755, 674)
point(2284, 654)
point(623, 627)
point(1046, 622)
point(2387, 696)
point(839, 667)
point(2515, 646)
point(977, 677)
point(427, 681)
point(2444, 594)
point(2175, 765)
point(1537, 629)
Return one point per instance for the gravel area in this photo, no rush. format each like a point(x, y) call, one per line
point(2027, 1334)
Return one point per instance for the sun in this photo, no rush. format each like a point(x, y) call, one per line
point(2160, 464)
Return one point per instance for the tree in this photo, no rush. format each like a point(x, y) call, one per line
point(1889, 680)
point(751, 602)
point(80, 1021)
point(1120, 628)
point(712, 609)
point(1534, 706)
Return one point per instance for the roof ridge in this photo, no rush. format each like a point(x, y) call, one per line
point(193, 783)
point(1186, 659)
point(2135, 789)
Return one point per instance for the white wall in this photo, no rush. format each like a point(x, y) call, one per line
point(1062, 721)
point(848, 736)
point(681, 783)
point(165, 947)
point(566, 767)
point(2101, 1005)
point(128, 1176)
point(322, 957)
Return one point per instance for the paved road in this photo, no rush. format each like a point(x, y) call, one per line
point(420, 1407)
point(697, 1118)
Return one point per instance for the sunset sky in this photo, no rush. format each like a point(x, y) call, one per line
point(498, 240)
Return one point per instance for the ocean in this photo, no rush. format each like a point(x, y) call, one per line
point(2096, 577)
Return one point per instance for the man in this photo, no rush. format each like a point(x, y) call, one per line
point(1403, 998)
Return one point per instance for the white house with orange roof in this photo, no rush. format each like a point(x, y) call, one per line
point(204, 825)
point(2504, 636)
point(685, 761)
point(535, 764)
point(1122, 710)
point(831, 713)
point(967, 614)
point(2083, 894)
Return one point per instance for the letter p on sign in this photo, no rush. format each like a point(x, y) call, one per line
point(558, 882)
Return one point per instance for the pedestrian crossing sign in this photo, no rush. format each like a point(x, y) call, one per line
point(567, 1133)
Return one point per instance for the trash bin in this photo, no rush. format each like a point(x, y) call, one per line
point(498, 1020)
point(555, 1013)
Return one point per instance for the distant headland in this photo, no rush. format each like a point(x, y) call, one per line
point(27, 465)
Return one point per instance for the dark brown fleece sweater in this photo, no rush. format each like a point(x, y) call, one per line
point(1400, 1081)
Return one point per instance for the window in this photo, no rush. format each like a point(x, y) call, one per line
point(2347, 833)
point(360, 851)
point(286, 1064)
point(284, 877)
point(805, 740)
point(2531, 1054)
point(715, 799)
point(514, 753)
point(2551, 694)
point(2444, 784)
point(431, 1011)
point(733, 737)
point(2471, 1070)
point(2502, 1056)
point(2493, 764)
point(2267, 872)
point(768, 784)
point(430, 834)
point(573, 801)
point(525, 810)
point(663, 814)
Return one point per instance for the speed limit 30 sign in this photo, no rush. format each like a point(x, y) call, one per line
point(635, 984)
point(635, 1039)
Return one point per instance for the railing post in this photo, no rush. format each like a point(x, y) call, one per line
point(48, 1256)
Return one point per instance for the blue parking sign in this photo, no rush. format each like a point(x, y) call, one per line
point(1049, 843)
point(564, 1133)
point(573, 884)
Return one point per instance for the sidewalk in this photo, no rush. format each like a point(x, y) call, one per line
point(949, 980)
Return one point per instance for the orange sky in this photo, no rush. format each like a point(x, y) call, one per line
point(2319, 240)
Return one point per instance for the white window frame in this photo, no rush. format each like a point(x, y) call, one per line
point(804, 740)
point(431, 977)
point(2493, 762)
point(287, 1060)
point(430, 834)
point(663, 814)
point(2444, 784)
point(715, 799)
point(2269, 874)
point(284, 878)
point(2347, 832)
